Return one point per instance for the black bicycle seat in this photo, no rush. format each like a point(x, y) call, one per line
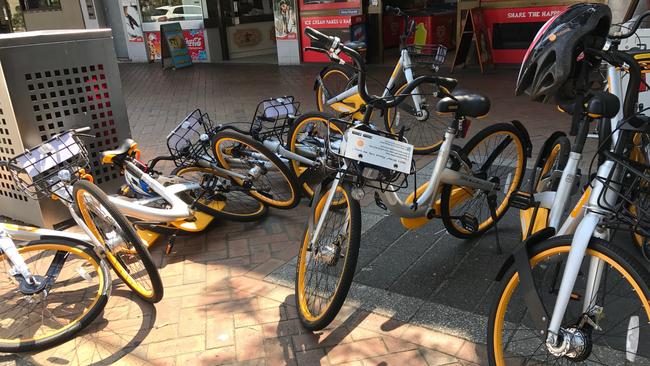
point(601, 104)
point(356, 45)
point(465, 104)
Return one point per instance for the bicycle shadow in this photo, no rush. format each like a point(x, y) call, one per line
point(110, 338)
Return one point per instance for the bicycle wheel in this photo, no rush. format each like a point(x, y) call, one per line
point(124, 250)
point(555, 158)
point(424, 132)
point(232, 204)
point(324, 273)
point(497, 154)
point(617, 331)
point(307, 137)
point(76, 286)
point(272, 182)
point(336, 79)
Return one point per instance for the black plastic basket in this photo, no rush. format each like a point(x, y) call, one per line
point(273, 117)
point(360, 173)
point(626, 195)
point(427, 54)
point(39, 171)
point(187, 142)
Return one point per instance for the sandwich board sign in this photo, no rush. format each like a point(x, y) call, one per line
point(173, 50)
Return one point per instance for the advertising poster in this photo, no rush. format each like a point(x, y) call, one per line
point(132, 21)
point(338, 26)
point(194, 40)
point(284, 12)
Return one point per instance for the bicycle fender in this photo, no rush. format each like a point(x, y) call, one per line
point(521, 260)
point(547, 144)
point(529, 145)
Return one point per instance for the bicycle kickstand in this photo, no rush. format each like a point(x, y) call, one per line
point(170, 243)
point(492, 204)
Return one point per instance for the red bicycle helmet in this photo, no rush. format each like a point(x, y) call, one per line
point(550, 66)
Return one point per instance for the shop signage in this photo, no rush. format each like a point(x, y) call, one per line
point(173, 46)
point(131, 20)
point(194, 39)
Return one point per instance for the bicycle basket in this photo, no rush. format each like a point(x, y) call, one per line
point(626, 195)
point(186, 142)
point(273, 117)
point(427, 54)
point(37, 171)
point(373, 158)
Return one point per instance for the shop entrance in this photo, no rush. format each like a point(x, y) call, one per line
point(248, 31)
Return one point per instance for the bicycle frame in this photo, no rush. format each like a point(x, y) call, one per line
point(349, 101)
point(423, 205)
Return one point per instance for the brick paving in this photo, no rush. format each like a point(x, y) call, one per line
point(224, 302)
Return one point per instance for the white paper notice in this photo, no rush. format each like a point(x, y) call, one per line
point(379, 151)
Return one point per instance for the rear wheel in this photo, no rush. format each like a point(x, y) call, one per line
point(554, 159)
point(615, 329)
point(425, 131)
point(496, 154)
point(231, 203)
point(325, 271)
point(124, 250)
point(77, 292)
point(270, 180)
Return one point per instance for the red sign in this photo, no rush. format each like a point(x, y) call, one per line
point(194, 39)
point(306, 5)
point(338, 26)
point(494, 17)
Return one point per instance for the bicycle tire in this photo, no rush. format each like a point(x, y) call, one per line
point(617, 259)
point(114, 256)
point(447, 204)
point(330, 72)
point(414, 135)
point(325, 316)
point(555, 157)
point(293, 190)
point(79, 250)
point(246, 212)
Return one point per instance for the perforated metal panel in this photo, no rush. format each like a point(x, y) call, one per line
point(55, 81)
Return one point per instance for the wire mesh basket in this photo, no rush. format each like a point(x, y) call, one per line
point(427, 54)
point(626, 195)
point(360, 170)
point(46, 169)
point(273, 117)
point(187, 142)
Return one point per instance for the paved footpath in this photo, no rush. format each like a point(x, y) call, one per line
point(228, 292)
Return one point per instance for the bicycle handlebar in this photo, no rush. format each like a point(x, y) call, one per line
point(634, 28)
point(395, 10)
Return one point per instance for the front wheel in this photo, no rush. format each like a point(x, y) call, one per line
point(325, 270)
point(75, 288)
point(497, 154)
point(124, 250)
point(260, 171)
point(615, 329)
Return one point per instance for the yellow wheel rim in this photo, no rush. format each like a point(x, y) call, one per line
point(302, 265)
point(299, 168)
point(515, 182)
point(514, 281)
point(224, 163)
point(389, 117)
point(110, 256)
point(78, 252)
point(549, 162)
point(319, 90)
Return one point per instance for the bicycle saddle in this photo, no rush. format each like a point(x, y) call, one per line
point(601, 104)
point(126, 147)
point(356, 45)
point(465, 104)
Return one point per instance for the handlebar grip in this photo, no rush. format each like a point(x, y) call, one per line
point(82, 129)
point(393, 9)
point(325, 40)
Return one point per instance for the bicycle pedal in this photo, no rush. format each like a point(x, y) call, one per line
point(469, 222)
point(379, 202)
point(521, 200)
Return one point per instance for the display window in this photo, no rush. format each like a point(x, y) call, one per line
point(160, 11)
